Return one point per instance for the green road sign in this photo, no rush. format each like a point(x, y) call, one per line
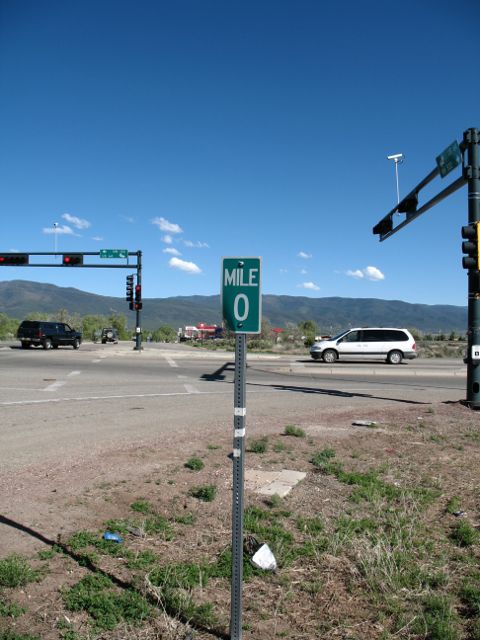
point(241, 295)
point(449, 159)
point(113, 253)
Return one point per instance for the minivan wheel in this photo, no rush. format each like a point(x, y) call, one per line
point(47, 343)
point(329, 356)
point(76, 343)
point(394, 357)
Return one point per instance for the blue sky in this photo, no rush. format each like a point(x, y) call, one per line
point(193, 130)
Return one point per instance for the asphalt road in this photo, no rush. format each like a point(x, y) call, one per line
point(60, 403)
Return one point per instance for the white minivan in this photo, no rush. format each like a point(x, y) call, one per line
point(367, 343)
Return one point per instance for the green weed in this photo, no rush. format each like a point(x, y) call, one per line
point(453, 505)
point(293, 430)
point(213, 447)
point(10, 609)
point(206, 493)
point(187, 519)
point(464, 535)
point(48, 554)
point(16, 572)
point(311, 526)
point(157, 524)
point(278, 447)
point(258, 446)
point(107, 606)
point(9, 634)
point(194, 464)
point(274, 501)
point(470, 597)
point(144, 560)
point(141, 506)
point(438, 621)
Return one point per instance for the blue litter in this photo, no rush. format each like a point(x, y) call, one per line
point(114, 537)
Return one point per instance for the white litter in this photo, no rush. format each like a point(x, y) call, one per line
point(264, 559)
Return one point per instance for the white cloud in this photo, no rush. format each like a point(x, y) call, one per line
point(97, 238)
point(196, 245)
point(78, 223)
point(305, 256)
point(355, 274)
point(172, 251)
point(183, 265)
point(167, 239)
point(309, 285)
point(128, 219)
point(283, 270)
point(61, 229)
point(303, 271)
point(164, 225)
point(371, 273)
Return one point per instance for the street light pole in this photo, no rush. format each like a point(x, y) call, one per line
point(398, 159)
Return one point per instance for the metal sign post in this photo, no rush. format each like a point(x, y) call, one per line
point(241, 306)
point(239, 412)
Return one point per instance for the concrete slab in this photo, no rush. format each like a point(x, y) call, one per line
point(269, 483)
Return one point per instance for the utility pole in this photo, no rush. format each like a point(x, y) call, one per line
point(450, 158)
point(138, 306)
point(471, 139)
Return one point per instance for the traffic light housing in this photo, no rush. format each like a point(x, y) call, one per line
point(129, 290)
point(138, 297)
point(72, 259)
point(13, 259)
point(471, 246)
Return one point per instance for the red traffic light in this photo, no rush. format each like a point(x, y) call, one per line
point(138, 292)
point(72, 259)
point(13, 259)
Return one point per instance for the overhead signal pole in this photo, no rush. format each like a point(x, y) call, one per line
point(76, 260)
point(450, 158)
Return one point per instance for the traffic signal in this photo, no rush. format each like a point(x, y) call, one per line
point(13, 259)
point(471, 245)
point(72, 259)
point(138, 297)
point(129, 291)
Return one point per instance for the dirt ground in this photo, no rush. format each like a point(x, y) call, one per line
point(380, 540)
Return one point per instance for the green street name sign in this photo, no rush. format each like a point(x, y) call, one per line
point(241, 294)
point(113, 253)
point(449, 159)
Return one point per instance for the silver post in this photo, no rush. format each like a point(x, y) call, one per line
point(55, 226)
point(398, 159)
point(239, 419)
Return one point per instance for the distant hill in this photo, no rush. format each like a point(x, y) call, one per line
point(20, 297)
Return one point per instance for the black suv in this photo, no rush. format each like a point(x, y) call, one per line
point(50, 335)
point(109, 334)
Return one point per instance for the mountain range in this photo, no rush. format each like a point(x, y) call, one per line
point(20, 297)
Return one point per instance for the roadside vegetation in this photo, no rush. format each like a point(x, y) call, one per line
point(293, 338)
point(380, 541)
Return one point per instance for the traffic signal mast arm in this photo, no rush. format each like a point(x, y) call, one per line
point(409, 204)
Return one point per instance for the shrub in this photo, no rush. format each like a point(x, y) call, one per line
point(194, 464)
point(292, 430)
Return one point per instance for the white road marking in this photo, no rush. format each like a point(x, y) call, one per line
point(55, 385)
point(182, 377)
point(190, 388)
point(170, 361)
point(74, 373)
point(136, 395)
point(96, 360)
